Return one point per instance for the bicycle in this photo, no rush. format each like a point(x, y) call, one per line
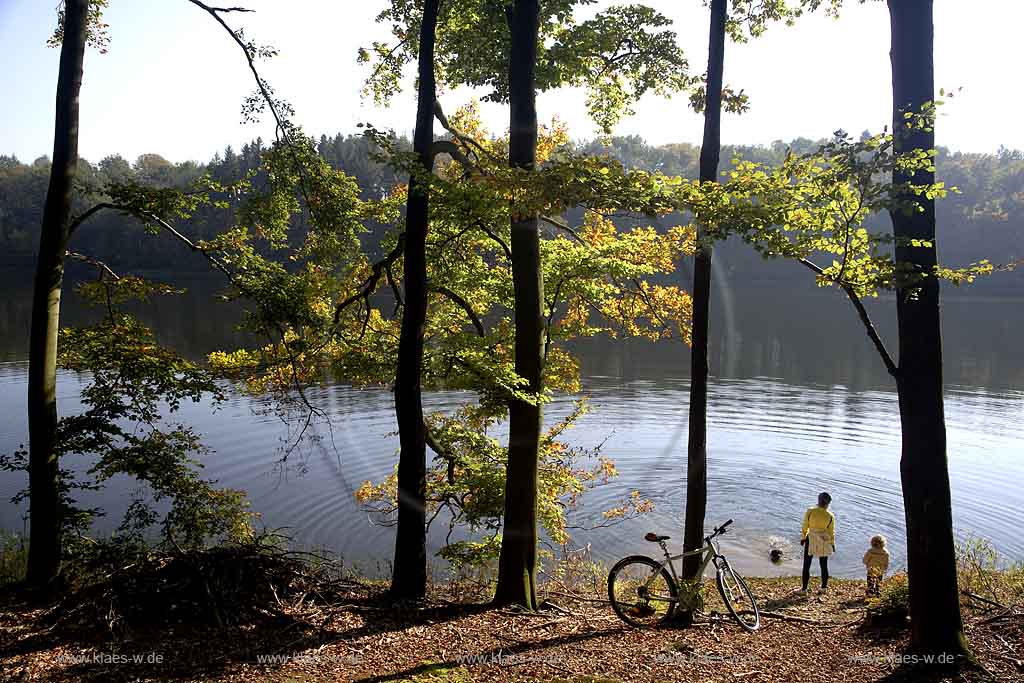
point(643, 593)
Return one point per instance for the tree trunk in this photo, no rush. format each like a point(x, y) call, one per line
point(44, 514)
point(697, 454)
point(409, 576)
point(517, 564)
point(937, 626)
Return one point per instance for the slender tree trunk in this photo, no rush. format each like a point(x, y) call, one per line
point(409, 577)
point(937, 626)
point(517, 564)
point(44, 514)
point(697, 452)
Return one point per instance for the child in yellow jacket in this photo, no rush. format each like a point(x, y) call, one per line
point(876, 559)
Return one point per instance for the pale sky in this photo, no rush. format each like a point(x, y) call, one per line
point(173, 82)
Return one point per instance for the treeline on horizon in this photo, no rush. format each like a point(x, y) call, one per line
point(983, 220)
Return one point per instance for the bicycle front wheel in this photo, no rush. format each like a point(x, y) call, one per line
point(738, 598)
point(641, 591)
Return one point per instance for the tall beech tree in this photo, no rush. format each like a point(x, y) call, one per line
point(697, 441)
point(517, 564)
point(44, 469)
point(748, 19)
point(936, 623)
point(409, 578)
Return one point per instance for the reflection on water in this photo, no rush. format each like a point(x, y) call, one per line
point(799, 404)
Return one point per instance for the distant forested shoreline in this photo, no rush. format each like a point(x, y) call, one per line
point(985, 219)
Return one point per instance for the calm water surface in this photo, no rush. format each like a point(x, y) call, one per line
point(799, 404)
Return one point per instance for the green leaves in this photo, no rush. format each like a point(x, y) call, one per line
point(133, 384)
point(617, 56)
point(334, 307)
point(96, 30)
point(819, 205)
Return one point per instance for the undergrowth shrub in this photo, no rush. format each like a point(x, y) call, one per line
point(983, 572)
point(891, 606)
point(121, 585)
point(13, 557)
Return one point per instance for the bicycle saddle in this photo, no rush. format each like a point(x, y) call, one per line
point(654, 538)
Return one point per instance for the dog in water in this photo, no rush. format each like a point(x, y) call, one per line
point(777, 549)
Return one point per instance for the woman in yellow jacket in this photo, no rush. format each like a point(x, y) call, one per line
point(818, 538)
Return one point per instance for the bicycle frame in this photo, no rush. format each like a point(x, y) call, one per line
point(709, 551)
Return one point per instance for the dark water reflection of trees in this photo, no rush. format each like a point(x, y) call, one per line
point(800, 335)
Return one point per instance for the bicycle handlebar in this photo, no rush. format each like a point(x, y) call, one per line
point(719, 530)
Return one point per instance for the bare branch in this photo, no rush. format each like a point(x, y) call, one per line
point(215, 13)
point(77, 222)
point(451, 149)
point(442, 453)
point(99, 265)
point(394, 288)
point(466, 140)
point(370, 283)
point(494, 236)
point(171, 230)
point(862, 312)
point(562, 225)
point(464, 305)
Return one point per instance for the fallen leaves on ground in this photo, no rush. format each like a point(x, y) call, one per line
point(576, 639)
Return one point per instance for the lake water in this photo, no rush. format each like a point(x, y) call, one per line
point(799, 403)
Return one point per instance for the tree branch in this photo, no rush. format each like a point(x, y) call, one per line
point(171, 230)
point(466, 140)
point(153, 218)
point(394, 288)
point(494, 236)
point(441, 453)
point(451, 149)
point(370, 283)
point(464, 305)
point(562, 225)
point(862, 312)
point(215, 13)
point(77, 222)
point(384, 60)
point(99, 265)
point(550, 318)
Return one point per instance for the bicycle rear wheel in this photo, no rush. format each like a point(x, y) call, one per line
point(641, 591)
point(738, 598)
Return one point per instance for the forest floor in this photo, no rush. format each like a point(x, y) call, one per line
point(357, 637)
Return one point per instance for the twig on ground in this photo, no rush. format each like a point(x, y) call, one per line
point(975, 596)
point(1008, 612)
point(580, 597)
point(784, 617)
point(552, 622)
